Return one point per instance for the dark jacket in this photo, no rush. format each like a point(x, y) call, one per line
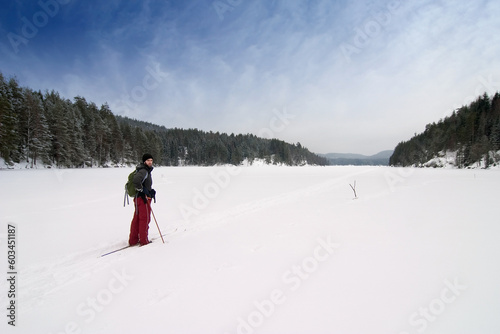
point(142, 179)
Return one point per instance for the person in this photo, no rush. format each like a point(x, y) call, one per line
point(142, 202)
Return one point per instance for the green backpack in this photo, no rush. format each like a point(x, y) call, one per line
point(129, 186)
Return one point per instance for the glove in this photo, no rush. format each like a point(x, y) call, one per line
point(152, 194)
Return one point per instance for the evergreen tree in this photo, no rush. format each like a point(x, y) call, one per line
point(8, 123)
point(88, 114)
point(55, 109)
point(128, 155)
point(34, 129)
point(74, 119)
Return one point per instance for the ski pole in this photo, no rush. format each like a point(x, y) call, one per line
point(156, 223)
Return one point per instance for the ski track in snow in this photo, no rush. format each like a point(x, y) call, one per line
point(53, 275)
point(215, 219)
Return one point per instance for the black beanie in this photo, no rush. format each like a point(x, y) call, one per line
point(146, 157)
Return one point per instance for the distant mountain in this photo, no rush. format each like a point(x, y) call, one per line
point(381, 158)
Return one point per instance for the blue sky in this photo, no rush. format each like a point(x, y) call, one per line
point(336, 76)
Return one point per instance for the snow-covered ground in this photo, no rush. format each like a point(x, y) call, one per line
point(255, 250)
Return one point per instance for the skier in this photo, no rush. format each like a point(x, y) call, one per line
point(142, 202)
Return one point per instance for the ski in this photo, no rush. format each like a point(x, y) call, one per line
point(116, 250)
point(128, 246)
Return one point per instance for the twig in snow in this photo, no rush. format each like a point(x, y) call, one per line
point(354, 189)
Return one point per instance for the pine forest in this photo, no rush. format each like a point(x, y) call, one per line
point(45, 129)
point(471, 132)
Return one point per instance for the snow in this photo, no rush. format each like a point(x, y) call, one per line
point(448, 159)
point(261, 249)
point(445, 159)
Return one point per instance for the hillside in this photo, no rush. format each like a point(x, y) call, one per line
point(469, 137)
point(48, 130)
point(343, 159)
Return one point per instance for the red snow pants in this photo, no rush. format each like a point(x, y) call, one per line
point(140, 223)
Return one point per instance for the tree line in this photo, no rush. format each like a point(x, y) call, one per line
point(49, 130)
point(472, 131)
